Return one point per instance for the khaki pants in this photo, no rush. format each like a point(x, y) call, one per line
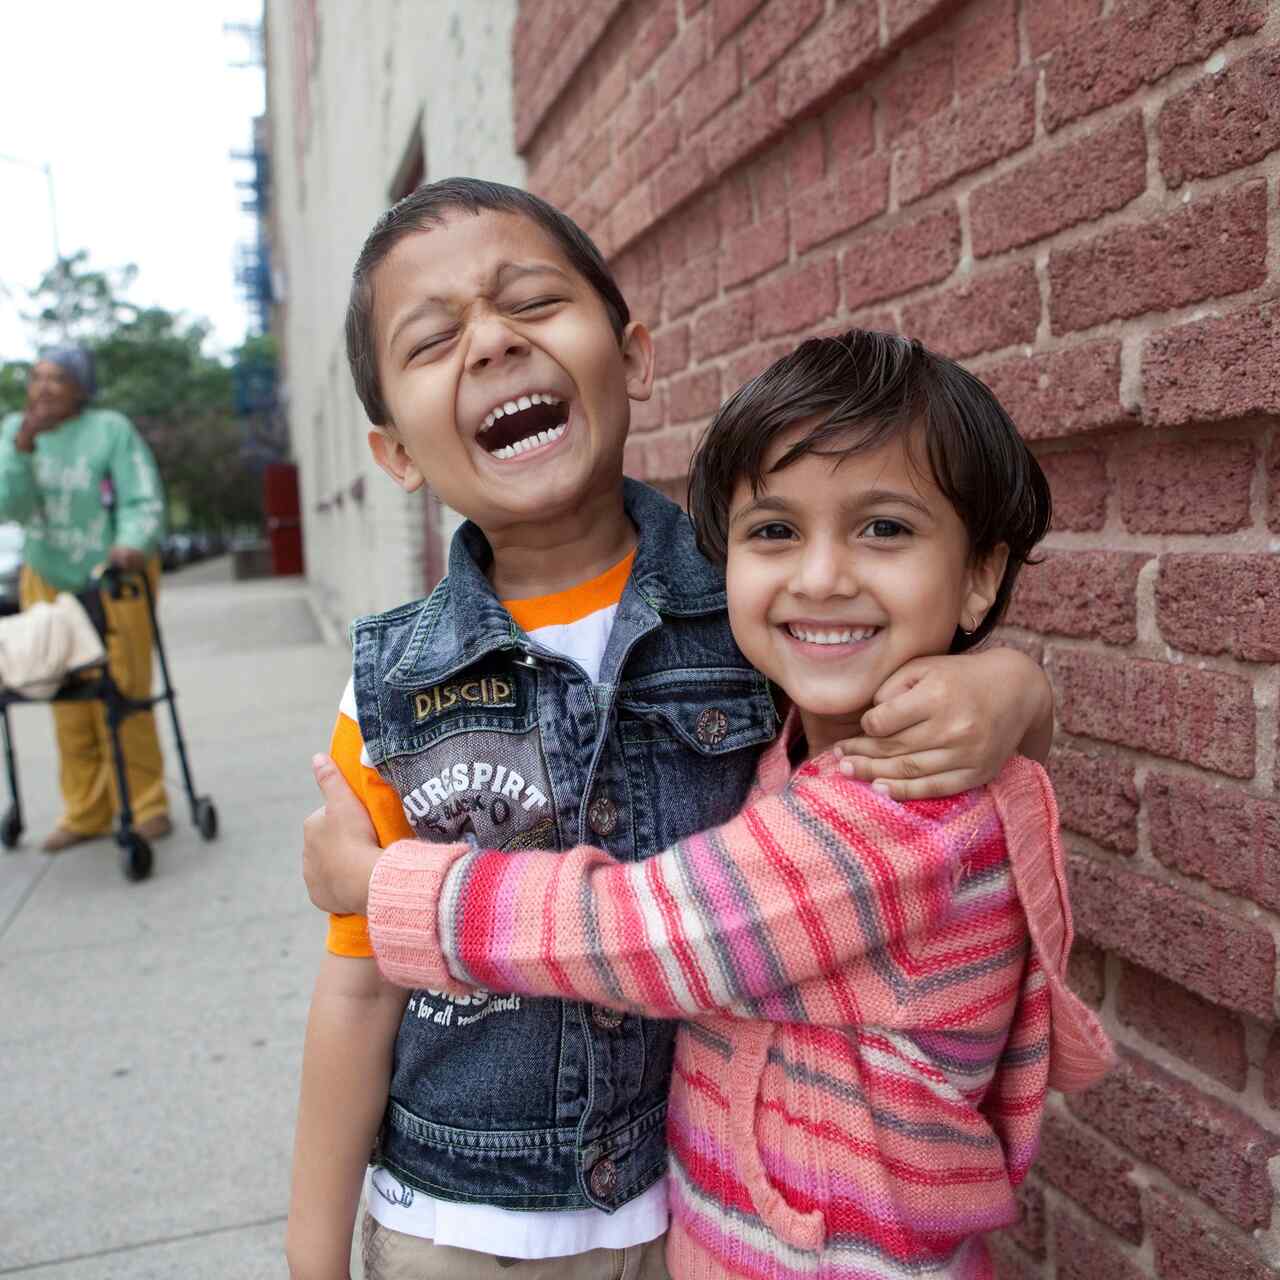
point(391, 1255)
point(86, 772)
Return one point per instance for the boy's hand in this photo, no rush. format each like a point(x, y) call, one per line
point(942, 725)
point(339, 846)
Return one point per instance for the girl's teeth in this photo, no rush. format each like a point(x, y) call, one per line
point(846, 636)
point(530, 442)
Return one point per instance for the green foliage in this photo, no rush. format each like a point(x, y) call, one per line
point(153, 368)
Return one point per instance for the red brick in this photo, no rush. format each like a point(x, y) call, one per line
point(796, 299)
point(1221, 604)
point(656, 34)
point(990, 311)
point(774, 30)
point(1221, 834)
point(1271, 1072)
point(650, 414)
point(982, 128)
point(769, 176)
point(1080, 182)
point(912, 17)
point(668, 454)
point(1028, 1231)
point(734, 201)
point(1061, 393)
point(746, 364)
point(636, 111)
point(1078, 482)
point(1190, 1247)
point(632, 217)
point(729, 15)
point(1137, 44)
point(1032, 646)
point(1209, 1038)
point(1273, 484)
point(1010, 1262)
point(1227, 960)
point(610, 91)
point(843, 49)
point(737, 132)
point(855, 193)
point(1083, 1253)
point(594, 158)
point(1186, 488)
point(754, 250)
point(1077, 1162)
point(1049, 22)
point(918, 84)
point(1080, 593)
point(884, 264)
point(1096, 796)
point(1204, 718)
point(695, 284)
point(671, 350)
point(1200, 1143)
point(692, 6)
point(693, 395)
point(1208, 249)
point(710, 89)
point(685, 56)
point(986, 43)
point(655, 144)
point(805, 150)
point(723, 328)
point(851, 128)
point(1214, 370)
point(1087, 973)
point(683, 176)
point(1223, 122)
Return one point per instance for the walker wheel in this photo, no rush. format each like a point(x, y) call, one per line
point(206, 818)
point(11, 830)
point(135, 855)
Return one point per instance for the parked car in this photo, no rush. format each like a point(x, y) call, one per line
point(12, 539)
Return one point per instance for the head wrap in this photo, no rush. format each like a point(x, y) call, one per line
point(77, 363)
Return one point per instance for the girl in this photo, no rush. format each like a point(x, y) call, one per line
point(873, 992)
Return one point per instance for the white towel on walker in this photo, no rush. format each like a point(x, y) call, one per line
point(43, 645)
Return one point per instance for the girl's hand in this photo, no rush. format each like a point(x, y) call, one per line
point(942, 725)
point(339, 846)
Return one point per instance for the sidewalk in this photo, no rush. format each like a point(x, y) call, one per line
point(151, 1033)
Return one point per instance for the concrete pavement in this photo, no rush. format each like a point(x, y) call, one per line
point(150, 1033)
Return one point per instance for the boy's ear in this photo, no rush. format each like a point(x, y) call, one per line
point(985, 576)
point(391, 455)
point(637, 359)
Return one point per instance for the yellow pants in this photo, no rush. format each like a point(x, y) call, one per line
point(86, 771)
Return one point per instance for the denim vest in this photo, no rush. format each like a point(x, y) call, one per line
point(541, 1103)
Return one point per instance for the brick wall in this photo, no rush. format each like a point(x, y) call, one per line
point(1078, 198)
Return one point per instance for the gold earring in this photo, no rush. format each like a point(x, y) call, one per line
point(972, 627)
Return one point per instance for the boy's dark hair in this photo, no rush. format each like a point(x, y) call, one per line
point(866, 388)
point(425, 208)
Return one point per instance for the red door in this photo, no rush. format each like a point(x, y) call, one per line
point(284, 517)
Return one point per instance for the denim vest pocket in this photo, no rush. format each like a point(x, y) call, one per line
point(690, 741)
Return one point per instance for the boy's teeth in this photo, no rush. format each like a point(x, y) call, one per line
point(515, 406)
point(524, 402)
point(846, 635)
point(531, 442)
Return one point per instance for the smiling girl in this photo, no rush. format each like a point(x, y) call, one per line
point(873, 991)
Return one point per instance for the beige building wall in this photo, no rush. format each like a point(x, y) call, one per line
point(357, 93)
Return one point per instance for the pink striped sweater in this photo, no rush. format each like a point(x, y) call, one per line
point(874, 1000)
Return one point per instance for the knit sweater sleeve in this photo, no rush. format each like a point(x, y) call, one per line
point(741, 919)
point(139, 497)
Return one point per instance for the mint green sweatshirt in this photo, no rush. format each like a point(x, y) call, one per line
point(88, 485)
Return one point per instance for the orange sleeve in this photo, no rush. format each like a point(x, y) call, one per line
point(349, 935)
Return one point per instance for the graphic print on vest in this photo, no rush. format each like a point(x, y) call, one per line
point(494, 786)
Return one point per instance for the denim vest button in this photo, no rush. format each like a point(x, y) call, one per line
point(604, 1179)
point(602, 816)
point(712, 726)
point(606, 1019)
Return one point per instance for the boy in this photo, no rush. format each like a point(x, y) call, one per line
point(573, 677)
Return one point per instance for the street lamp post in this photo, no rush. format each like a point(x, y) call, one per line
point(47, 169)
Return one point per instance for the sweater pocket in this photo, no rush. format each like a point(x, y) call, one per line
point(801, 1230)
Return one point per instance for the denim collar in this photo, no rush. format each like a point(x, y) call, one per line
point(462, 619)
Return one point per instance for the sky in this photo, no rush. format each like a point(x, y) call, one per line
point(136, 107)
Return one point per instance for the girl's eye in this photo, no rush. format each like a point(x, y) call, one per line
point(885, 528)
point(533, 305)
point(774, 531)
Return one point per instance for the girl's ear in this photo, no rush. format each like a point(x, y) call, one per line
point(637, 360)
point(391, 455)
point(985, 576)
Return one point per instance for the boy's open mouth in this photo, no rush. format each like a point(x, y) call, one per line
point(525, 423)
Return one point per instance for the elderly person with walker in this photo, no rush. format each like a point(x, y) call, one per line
point(84, 485)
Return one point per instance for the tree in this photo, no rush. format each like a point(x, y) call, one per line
point(152, 367)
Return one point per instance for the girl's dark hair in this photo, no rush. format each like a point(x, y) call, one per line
point(427, 207)
point(864, 389)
